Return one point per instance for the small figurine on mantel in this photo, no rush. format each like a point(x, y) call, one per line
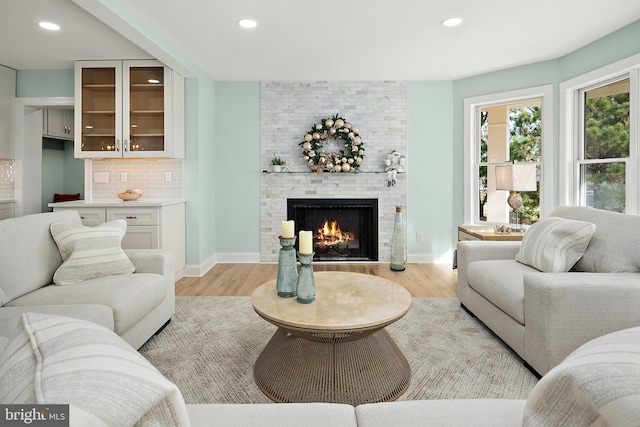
point(393, 164)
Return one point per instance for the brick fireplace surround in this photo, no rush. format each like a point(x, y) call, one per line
point(289, 109)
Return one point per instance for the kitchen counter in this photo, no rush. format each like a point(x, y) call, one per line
point(117, 203)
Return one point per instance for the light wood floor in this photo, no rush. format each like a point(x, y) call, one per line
point(421, 280)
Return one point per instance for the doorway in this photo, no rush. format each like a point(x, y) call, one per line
point(29, 193)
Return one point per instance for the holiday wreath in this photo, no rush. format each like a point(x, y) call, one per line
point(347, 160)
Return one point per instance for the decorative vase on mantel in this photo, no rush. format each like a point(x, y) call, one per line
point(398, 244)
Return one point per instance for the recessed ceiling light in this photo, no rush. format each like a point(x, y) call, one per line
point(247, 23)
point(451, 22)
point(49, 26)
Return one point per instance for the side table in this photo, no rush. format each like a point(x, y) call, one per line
point(483, 232)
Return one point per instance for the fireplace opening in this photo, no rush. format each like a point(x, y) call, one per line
point(343, 229)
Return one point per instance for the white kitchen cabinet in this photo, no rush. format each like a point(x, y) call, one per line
point(148, 227)
point(7, 210)
point(7, 99)
point(128, 109)
point(58, 123)
point(91, 216)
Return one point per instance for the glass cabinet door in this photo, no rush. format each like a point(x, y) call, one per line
point(100, 123)
point(144, 109)
point(128, 109)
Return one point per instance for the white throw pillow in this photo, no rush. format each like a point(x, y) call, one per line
point(596, 385)
point(103, 379)
point(90, 252)
point(555, 244)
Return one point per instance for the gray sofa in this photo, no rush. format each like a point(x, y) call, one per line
point(545, 316)
point(135, 306)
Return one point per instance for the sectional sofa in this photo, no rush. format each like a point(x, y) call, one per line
point(106, 382)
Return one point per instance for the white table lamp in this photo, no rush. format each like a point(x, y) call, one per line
point(516, 177)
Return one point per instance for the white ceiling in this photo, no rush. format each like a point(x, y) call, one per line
point(318, 40)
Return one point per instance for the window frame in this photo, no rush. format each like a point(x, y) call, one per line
point(472, 144)
point(572, 132)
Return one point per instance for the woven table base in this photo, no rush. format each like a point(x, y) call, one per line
point(367, 370)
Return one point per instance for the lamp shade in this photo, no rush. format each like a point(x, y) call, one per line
point(516, 177)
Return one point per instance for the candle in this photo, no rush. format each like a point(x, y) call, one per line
point(287, 229)
point(306, 242)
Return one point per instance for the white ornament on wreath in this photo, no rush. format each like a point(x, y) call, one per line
point(316, 140)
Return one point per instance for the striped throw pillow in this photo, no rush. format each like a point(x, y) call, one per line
point(596, 385)
point(90, 252)
point(17, 370)
point(104, 380)
point(555, 244)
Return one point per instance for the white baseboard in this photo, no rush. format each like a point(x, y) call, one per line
point(254, 258)
point(191, 270)
point(221, 258)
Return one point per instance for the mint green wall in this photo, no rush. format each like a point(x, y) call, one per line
point(44, 83)
point(430, 166)
point(198, 170)
point(52, 170)
point(73, 171)
point(61, 172)
point(237, 167)
point(607, 50)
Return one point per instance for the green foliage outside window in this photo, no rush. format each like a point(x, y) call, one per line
point(606, 137)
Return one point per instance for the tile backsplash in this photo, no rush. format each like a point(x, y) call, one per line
point(149, 176)
point(7, 173)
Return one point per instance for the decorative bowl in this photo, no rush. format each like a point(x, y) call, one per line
point(127, 197)
point(502, 229)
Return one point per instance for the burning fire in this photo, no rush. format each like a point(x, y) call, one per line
point(330, 235)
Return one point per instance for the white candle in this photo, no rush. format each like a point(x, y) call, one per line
point(288, 229)
point(306, 242)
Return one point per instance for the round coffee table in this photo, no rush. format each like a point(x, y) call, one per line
point(335, 349)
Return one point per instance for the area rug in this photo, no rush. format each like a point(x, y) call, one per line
point(209, 348)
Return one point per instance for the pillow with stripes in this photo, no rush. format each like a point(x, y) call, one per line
point(90, 252)
point(596, 385)
point(61, 360)
point(554, 245)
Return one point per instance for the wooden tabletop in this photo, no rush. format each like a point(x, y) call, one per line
point(484, 232)
point(344, 302)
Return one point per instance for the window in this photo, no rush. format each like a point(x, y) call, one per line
point(600, 143)
point(604, 146)
point(501, 129)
